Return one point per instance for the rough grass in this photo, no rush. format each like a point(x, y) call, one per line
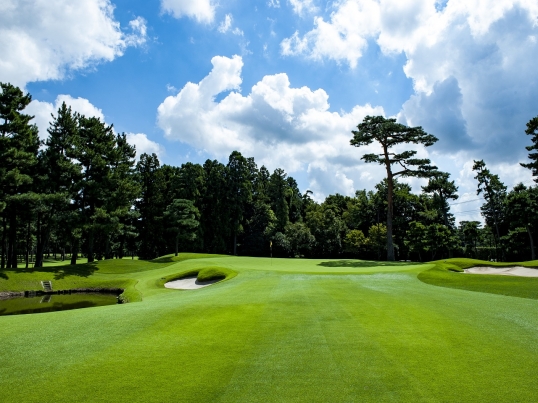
point(290, 330)
point(449, 273)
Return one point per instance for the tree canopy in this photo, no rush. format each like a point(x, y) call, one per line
point(388, 134)
point(82, 193)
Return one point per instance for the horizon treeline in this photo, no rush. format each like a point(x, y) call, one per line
point(82, 193)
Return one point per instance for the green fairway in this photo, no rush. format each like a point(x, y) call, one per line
point(281, 330)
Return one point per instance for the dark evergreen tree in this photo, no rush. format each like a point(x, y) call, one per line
point(182, 218)
point(58, 184)
point(494, 192)
point(215, 215)
point(522, 214)
point(279, 193)
point(19, 144)
point(532, 130)
point(239, 185)
point(442, 190)
point(150, 207)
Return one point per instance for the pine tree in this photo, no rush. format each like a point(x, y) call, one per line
point(389, 134)
point(19, 144)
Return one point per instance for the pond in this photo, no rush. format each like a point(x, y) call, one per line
point(51, 303)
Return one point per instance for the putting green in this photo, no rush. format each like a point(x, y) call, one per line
point(286, 330)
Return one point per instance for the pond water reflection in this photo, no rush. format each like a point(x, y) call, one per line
point(51, 303)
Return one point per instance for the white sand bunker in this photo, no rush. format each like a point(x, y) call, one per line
point(505, 271)
point(189, 283)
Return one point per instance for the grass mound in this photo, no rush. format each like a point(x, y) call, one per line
point(184, 256)
point(449, 273)
point(212, 273)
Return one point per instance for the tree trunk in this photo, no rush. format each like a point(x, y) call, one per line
point(40, 244)
point(28, 239)
point(533, 256)
point(90, 246)
point(390, 190)
point(177, 244)
point(4, 246)
point(107, 248)
point(122, 245)
point(235, 243)
point(12, 252)
point(74, 251)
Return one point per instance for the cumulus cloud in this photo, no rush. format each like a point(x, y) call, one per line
point(202, 11)
point(281, 126)
point(42, 111)
point(472, 64)
point(440, 113)
point(45, 40)
point(144, 145)
point(343, 38)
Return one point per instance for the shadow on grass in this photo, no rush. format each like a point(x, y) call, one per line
point(184, 256)
point(164, 259)
point(3, 275)
point(61, 272)
point(364, 263)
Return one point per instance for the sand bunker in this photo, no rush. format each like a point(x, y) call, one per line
point(505, 271)
point(190, 283)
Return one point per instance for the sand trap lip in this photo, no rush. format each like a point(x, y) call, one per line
point(504, 271)
point(189, 283)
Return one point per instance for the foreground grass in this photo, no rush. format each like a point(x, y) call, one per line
point(286, 330)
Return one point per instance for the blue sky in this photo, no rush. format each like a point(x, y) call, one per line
point(286, 81)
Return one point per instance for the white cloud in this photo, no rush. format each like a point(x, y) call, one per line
point(144, 145)
point(399, 26)
point(273, 3)
point(43, 110)
point(202, 11)
point(473, 64)
point(226, 26)
point(237, 31)
point(45, 40)
point(279, 125)
point(343, 38)
point(140, 32)
point(303, 6)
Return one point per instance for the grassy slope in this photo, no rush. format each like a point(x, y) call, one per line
point(449, 273)
point(290, 330)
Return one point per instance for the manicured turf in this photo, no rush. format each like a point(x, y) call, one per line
point(449, 273)
point(283, 331)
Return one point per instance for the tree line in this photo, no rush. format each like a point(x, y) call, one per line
point(82, 193)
